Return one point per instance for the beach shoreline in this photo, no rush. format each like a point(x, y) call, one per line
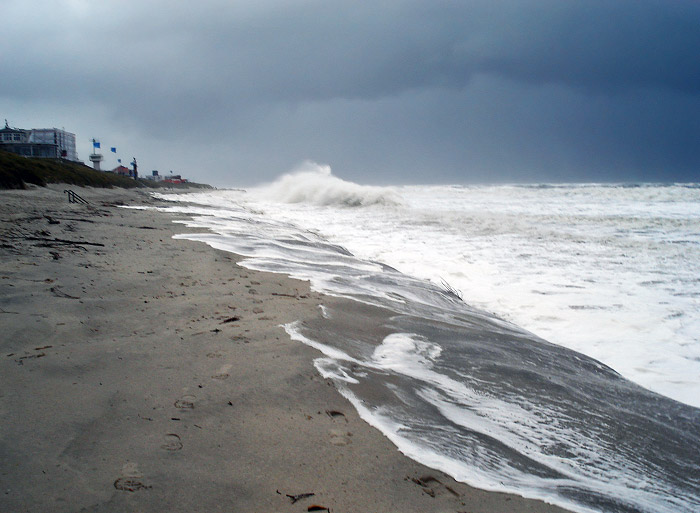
point(143, 373)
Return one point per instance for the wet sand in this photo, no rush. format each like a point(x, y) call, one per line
point(142, 373)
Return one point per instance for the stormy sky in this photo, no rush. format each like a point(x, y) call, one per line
point(234, 93)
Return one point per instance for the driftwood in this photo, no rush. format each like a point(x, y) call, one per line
point(293, 296)
point(43, 236)
point(426, 483)
point(295, 498)
point(298, 497)
point(64, 241)
point(59, 293)
point(336, 413)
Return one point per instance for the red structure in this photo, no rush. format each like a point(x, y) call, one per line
point(122, 170)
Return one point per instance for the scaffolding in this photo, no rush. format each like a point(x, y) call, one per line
point(54, 143)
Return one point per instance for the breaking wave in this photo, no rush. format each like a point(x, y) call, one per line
point(315, 184)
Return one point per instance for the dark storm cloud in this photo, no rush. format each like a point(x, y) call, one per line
point(508, 90)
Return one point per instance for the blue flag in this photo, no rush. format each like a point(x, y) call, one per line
point(95, 144)
point(119, 160)
point(113, 150)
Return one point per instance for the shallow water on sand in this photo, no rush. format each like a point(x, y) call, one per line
point(459, 389)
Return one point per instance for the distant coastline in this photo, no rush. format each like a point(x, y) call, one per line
point(17, 172)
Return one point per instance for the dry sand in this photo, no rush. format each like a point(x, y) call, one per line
point(144, 374)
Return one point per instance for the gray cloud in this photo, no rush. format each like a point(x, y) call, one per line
point(387, 91)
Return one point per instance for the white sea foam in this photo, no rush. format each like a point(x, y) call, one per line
point(522, 427)
point(609, 271)
point(405, 353)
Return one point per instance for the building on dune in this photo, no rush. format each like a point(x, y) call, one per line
point(175, 179)
point(52, 143)
point(171, 178)
point(55, 143)
point(122, 170)
point(154, 176)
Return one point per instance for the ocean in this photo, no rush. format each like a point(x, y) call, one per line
point(535, 339)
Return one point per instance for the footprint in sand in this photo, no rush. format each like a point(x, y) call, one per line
point(172, 442)
point(186, 402)
point(130, 484)
point(131, 479)
point(223, 372)
point(433, 486)
point(339, 437)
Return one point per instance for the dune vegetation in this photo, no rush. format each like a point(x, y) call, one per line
point(16, 172)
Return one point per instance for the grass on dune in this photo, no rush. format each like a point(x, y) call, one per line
point(16, 172)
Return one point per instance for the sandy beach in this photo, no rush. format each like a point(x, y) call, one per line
point(142, 373)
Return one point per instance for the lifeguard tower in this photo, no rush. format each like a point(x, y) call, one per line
point(95, 157)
